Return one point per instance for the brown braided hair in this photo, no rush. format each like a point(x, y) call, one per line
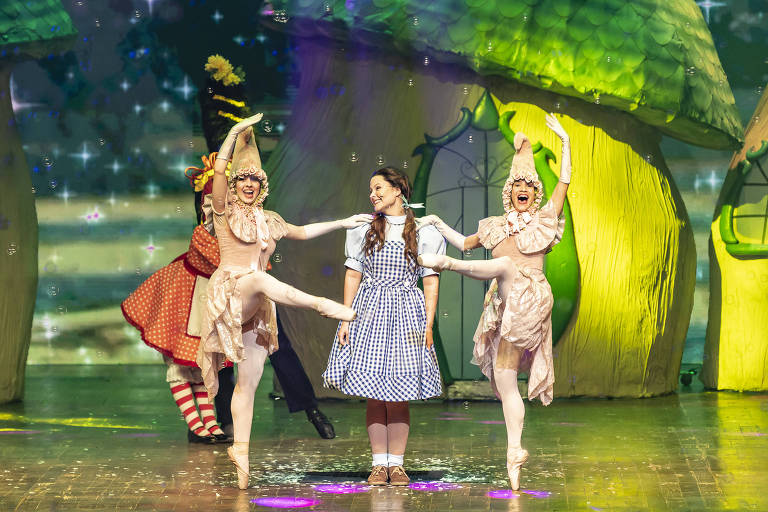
point(374, 238)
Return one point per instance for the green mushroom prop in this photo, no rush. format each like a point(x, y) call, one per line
point(736, 349)
point(376, 76)
point(28, 30)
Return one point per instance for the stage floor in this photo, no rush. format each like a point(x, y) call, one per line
point(111, 438)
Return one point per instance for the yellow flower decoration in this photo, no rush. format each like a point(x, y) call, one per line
point(222, 70)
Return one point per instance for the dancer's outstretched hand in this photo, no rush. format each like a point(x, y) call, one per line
point(245, 123)
point(356, 220)
point(427, 220)
point(344, 333)
point(555, 126)
point(429, 340)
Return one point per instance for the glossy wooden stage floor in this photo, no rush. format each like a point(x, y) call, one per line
point(110, 438)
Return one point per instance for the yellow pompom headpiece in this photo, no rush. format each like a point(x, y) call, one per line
point(222, 71)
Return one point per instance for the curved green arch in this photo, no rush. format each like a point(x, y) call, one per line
point(731, 189)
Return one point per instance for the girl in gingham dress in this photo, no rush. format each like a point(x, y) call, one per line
point(385, 354)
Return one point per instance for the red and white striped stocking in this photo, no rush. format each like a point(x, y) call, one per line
point(206, 409)
point(182, 393)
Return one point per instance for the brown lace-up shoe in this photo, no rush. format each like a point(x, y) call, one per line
point(378, 476)
point(397, 476)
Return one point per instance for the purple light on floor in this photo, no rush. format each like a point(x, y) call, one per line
point(491, 422)
point(502, 494)
point(752, 434)
point(452, 414)
point(139, 434)
point(19, 431)
point(341, 488)
point(286, 502)
point(454, 418)
point(538, 494)
point(434, 486)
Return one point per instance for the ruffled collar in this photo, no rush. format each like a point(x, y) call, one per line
point(517, 221)
point(247, 222)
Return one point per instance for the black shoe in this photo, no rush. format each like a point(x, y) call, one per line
point(321, 423)
point(223, 438)
point(194, 438)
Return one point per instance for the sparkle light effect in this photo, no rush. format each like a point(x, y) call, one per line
point(217, 16)
point(180, 166)
point(124, 85)
point(713, 181)
point(115, 166)
point(137, 108)
point(707, 6)
point(65, 194)
point(150, 248)
point(434, 486)
point(286, 502)
point(165, 106)
point(341, 488)
point(185, 89)
point(93, 216)
point(83, 155)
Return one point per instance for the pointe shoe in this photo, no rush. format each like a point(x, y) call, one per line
point(514, 464)
point(434, 261)
point(238, 454)
point(332, 309)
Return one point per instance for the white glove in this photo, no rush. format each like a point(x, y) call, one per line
point(228, 146)
point(321, 228)
point(565, 161)
point(453, 237)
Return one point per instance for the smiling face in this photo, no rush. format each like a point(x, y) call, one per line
point(247, 188)
point(384, 197)
point(523, 195)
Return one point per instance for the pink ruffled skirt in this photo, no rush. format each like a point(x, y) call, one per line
point(525, 320)
point(222, 329)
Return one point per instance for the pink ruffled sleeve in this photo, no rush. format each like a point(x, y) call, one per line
point(543, 232)
point(277, 225)
point(490, 231)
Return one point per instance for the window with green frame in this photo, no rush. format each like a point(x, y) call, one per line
point(744, 214)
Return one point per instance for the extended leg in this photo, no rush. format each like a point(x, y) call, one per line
point(481, 270)
point(249, 372)
point(260, 282)
point(376, 422)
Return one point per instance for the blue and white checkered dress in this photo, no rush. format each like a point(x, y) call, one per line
point(386, 357)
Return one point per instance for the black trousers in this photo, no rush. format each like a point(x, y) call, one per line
point(299, 394)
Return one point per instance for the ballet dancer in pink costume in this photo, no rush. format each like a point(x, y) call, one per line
point(515, 329)
point(239, 321)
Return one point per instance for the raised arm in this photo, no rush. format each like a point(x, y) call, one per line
point(453, 237)
point(310, 231)
point(431, 290)
point(224, 155)
point(558, 195)
point(352, 279)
